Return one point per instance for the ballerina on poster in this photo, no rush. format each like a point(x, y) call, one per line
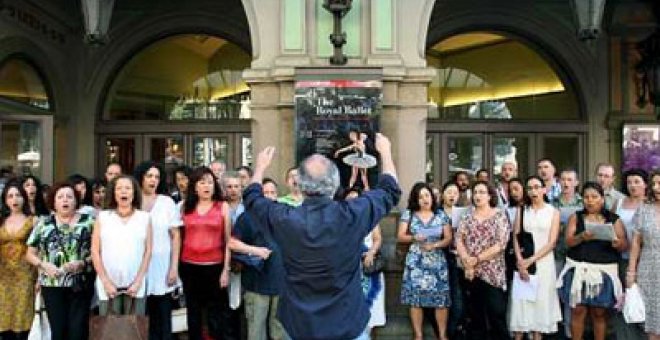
point(359, 160)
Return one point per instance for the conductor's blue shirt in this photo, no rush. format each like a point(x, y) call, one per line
point(321, 241)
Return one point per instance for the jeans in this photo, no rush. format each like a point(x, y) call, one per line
point(159, 309)
point(68, 312)
point(260, 311)
point(201, 286)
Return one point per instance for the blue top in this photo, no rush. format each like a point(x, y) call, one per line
point(321, 243)
point(266, 281)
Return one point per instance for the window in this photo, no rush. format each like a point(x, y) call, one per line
point(20, 82)
point(490, 76)
point(184, 77)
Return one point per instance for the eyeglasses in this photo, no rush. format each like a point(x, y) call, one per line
point(534, 187)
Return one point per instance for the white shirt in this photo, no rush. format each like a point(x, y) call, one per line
point(165, 214)
point(122, 248)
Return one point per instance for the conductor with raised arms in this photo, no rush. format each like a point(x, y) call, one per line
point(321, 245)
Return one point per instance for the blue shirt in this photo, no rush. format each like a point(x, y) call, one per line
point(266, 281)
point(321, 243)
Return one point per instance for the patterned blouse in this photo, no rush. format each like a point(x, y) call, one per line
point(479, 236)
point(62, 244)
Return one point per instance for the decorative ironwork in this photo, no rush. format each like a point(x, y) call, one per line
point(338, 8)
point(97, 14)
point(648, 68)
point(589, 15)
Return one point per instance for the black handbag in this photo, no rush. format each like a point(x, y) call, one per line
point(376, 266)
point(526, 243)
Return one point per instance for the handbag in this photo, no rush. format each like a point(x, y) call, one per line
point(634, 310)
point(234, 290)
point(376, 266)
point(40, 329)
point(119, 327)
point(526, 243)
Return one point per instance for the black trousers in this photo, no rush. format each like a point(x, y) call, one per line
point(486, 308)
point(68, 312)
point(201, 286)
point(159, 310)
point(9, 335)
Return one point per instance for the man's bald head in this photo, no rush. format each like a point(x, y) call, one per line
point(319, 176)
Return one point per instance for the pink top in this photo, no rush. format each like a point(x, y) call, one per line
point(204, 236)
point(479, 236)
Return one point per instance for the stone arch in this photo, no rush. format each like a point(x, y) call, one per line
point(553, 39)
point(131, 37)
point(37, 58)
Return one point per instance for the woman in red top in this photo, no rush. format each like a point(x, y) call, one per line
point(204, 267)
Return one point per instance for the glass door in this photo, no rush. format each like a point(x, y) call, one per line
point(26, 146)
point(511, 147)
point(462, 152)
point(448, 153)
point(565, 150)
point(211, 148)
point(168, 150)
point(122, 149)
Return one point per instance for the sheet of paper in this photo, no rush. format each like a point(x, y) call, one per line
point(601, 231)
point(456, 215)
point(566, 212)
point(524, 290)
point(430, 232)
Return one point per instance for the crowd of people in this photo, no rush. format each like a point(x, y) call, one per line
point(128, 243)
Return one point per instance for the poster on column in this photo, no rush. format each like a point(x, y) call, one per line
point(338, 116)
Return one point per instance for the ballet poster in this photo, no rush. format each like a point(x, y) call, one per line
point(338, 119)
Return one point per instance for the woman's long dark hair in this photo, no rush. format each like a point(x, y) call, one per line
point(526, 198)
point(514, 203)
point(192, 199)
point(76, 179)
point(142, 169)
point(4, 209)
point(413, 198)
point(40, 208)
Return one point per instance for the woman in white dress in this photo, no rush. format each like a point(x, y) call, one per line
point(163, 273)
point(541, 220)
point(121, 249)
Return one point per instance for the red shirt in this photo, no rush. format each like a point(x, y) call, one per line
point(204, 236)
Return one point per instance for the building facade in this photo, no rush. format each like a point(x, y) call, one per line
point(466, 84)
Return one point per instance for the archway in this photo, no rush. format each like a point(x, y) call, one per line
point(179, 100)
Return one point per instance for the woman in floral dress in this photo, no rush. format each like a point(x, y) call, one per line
point(17, 277)
point(425, 276)
point(481, 239)
point(645, 247)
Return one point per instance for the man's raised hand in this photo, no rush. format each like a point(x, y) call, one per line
point(265, 157)
point(382, 144)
